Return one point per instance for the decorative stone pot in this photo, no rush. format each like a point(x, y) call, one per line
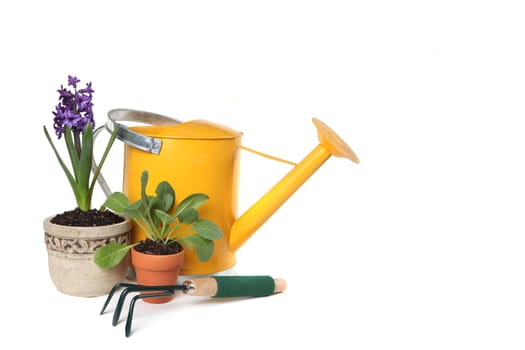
point(70, 257)
point(157, 270)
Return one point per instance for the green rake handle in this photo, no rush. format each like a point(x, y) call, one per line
point(234, 286)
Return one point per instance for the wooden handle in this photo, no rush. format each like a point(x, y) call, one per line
point(204, 287)
point(235, 286)
point(280, 285)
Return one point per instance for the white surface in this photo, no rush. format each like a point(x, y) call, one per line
point(420, 246)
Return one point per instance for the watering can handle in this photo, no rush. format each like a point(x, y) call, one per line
point(135, 139)
point(130, 137)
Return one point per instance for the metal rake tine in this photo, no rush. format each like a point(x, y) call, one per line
point(138, 288)
point(118, 308)
point(111, 292)
point(129, 319)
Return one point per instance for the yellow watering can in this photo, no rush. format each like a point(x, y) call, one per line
point(202, 156)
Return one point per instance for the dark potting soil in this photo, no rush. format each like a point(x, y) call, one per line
point(95, 217)
point(151, 247)
point(92, 217)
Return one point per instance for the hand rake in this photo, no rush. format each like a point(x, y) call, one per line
point(214, 287)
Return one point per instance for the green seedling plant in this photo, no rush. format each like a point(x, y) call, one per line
point(162, 221)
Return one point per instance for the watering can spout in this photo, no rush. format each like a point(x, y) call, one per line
point(254, 217)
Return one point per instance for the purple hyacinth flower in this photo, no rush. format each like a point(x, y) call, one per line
point(72, 81)
point(75, 108)
point(87, 90)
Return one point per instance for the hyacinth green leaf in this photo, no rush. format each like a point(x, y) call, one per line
point(72, 151)
point(110, 255)
point(86, 158)
point(194, 200)
point(203, 247)
point(189, 216)
point(207, 229)
point(69, 176)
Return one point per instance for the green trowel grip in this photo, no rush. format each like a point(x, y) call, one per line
point(236, 286)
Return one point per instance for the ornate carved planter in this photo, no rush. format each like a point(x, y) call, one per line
point(70, 257)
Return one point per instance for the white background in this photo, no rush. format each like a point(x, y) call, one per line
point(420, 246)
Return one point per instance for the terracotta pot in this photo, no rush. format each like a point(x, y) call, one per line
point(157, 270)
point(70, 257)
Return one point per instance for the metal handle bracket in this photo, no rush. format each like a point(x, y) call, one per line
point(135, 139)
